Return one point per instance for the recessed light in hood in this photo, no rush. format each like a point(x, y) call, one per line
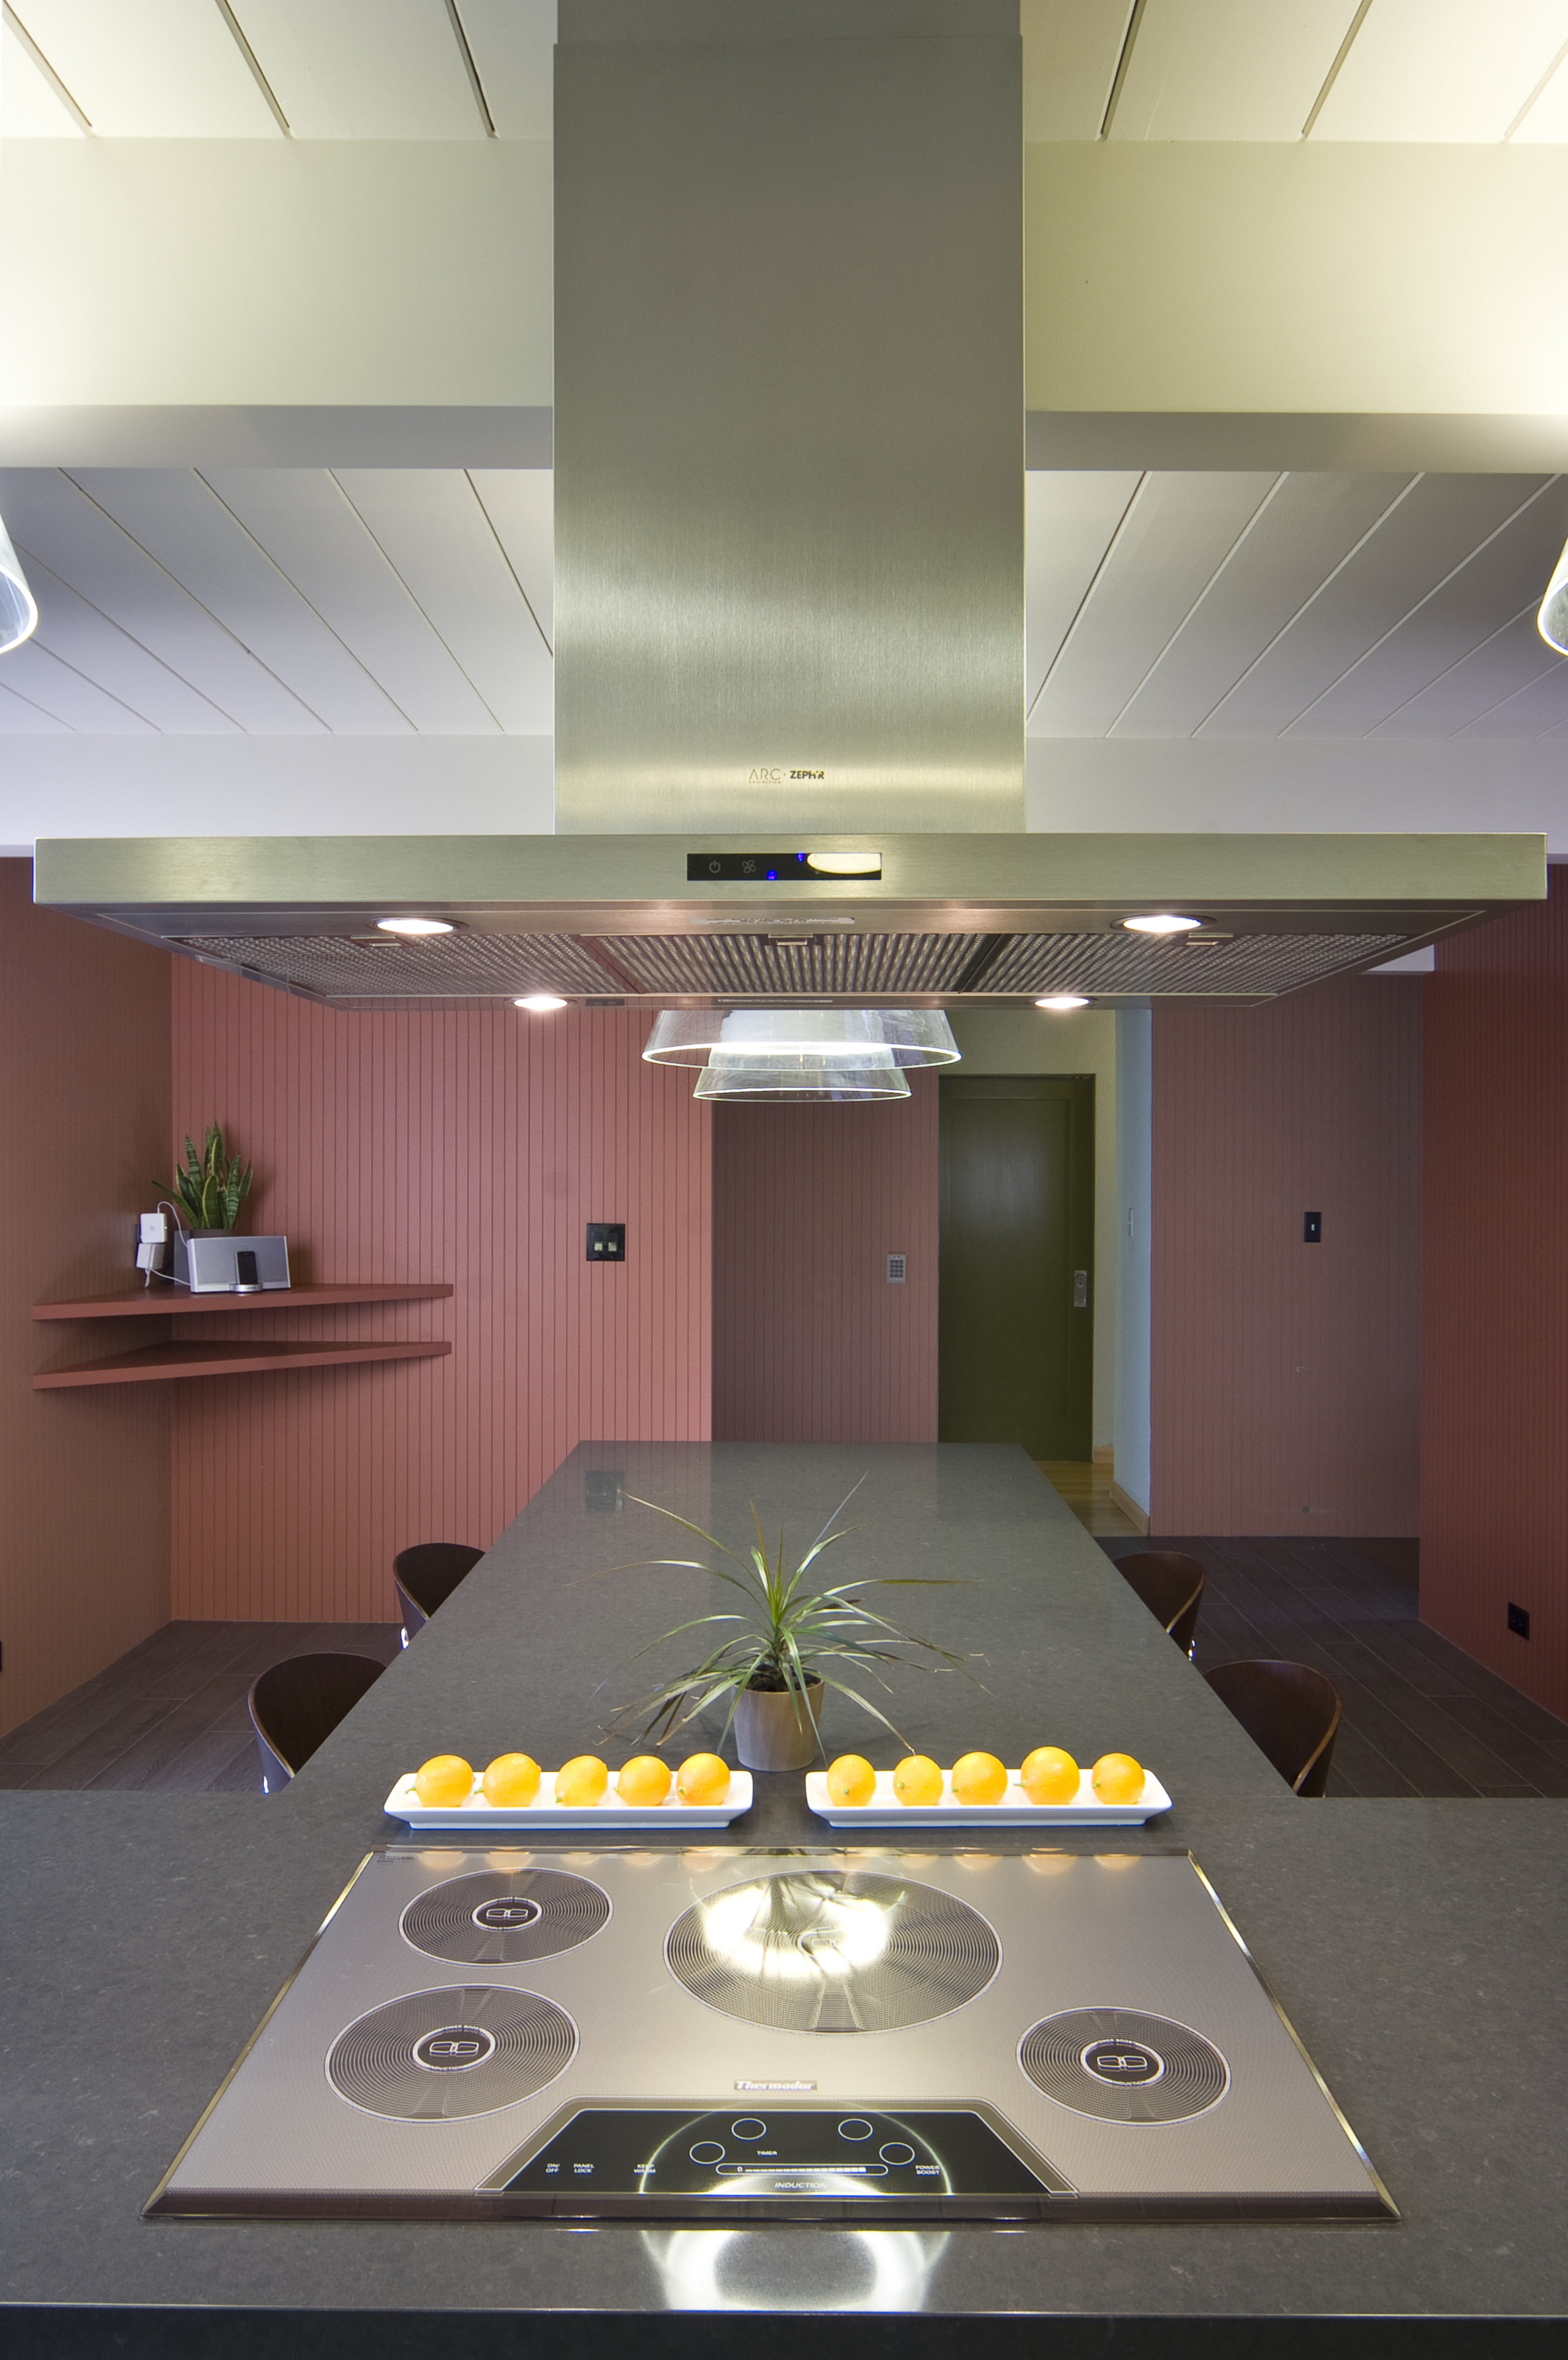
point(836, 1053)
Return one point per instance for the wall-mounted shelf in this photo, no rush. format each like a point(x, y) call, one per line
point(162, 1363)
point(176, 1303)
point(157, 1363)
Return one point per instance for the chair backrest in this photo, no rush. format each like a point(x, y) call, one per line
point(1290, 1712)
point(296, 1705)
point(1172, 1585)
point(426, 1577)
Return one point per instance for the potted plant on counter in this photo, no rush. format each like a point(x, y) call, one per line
point(211, 1186)
point(774, 1667)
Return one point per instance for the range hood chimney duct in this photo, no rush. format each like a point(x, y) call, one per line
point(789, 440)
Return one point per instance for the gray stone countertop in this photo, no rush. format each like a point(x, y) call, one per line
point(1417, 1948)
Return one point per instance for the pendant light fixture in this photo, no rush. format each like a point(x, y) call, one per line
point(1552, 621)
point(18, 608)
point(834, 1053)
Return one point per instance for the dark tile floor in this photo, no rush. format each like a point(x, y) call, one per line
point(1421, 1718)
point(172, 1712)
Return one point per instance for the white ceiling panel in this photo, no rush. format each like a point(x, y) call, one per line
point(520, 505)
point(183, 525)
point(1533, 711)
point(1307, 527)
point(97, 649)
point(1177, 532)
point(430, 524)
point(311, 530)
point(1228, 69)
point(81, 543)
point(30, 106)
point(1069, 521)
point(1509, 659)
point(364, 69)
point(1507, 574)
point(1436, 526)
point(1439, 69)
point(57, 689)
point(512, 43)
point(151, 68)
point(1071, 52)
point(22, 719)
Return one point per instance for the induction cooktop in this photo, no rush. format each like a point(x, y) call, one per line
point(748, 2035)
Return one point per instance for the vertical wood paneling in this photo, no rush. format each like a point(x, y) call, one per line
point(84, 1099)
point(1495, 1349)
point(472, 1146)
point(1284, 1376)
point(811, 1343)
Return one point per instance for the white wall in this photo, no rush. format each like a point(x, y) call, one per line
point(1027, 1041)
point(1135, 1197)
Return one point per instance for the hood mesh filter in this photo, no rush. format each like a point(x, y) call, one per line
point(749, 964)
point(460, 965)
point(1180, 967)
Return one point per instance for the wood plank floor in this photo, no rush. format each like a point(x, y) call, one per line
point(1421, 1717)
point(1087, 1491)
point(172, 1713)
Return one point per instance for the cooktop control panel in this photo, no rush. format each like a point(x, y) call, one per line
point(596, 2152)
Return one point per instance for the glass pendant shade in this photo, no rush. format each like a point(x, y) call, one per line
point(18, 610)
point(1552, 621)
point(836, 1053)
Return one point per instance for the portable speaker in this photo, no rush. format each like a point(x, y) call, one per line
point(229, 1265)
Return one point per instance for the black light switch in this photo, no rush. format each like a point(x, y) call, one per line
point(1311, 1228)
point(607, 1241)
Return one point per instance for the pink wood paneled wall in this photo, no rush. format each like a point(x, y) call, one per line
point(1495, 1396)
point(83, 1133)
point(811, 1343)
point(471, 1147)
point(1285, 1377)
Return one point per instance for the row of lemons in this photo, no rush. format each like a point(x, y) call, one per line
point(1048, 1776)
point(512, 1780)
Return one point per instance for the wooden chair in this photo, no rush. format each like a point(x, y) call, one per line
point(1290, 1712)
point(426, 1577)
point(1170, 1586)
point(296, 1705)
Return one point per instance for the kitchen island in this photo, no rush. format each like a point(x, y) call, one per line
point(1416, 1947)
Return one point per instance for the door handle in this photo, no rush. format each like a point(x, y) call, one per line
point(1080, 1290)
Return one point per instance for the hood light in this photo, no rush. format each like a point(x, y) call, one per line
point(540, 1003)
point(414, 926)
point(837, 1053)
point(18, 608)
point(1552, 621)
point(1161, 922)
point(1062, 1003)
point(845, 864)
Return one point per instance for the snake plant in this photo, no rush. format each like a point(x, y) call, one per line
point(211, 1186)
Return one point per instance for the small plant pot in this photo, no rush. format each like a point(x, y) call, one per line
point(774, 1731)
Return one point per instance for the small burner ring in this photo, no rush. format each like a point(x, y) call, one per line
point(1121, 2065)
point(501, 1917)
point(437, 2055)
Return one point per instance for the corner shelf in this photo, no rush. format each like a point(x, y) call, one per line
point(163, 1363)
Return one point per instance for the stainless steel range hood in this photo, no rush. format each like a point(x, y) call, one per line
point(790, 415)
point(951, 920)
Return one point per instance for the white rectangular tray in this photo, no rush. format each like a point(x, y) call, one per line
point(1014, 1810)
point(545, 1813)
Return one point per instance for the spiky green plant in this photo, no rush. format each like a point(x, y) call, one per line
point(211, 1187)
point(784, 1633)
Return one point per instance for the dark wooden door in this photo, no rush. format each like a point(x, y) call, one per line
point(1018, 1238)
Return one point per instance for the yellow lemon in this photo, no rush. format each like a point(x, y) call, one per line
point(918, 1779)
point(444, 1780)
point(978, 1778)
point(511, 1780)
point(1117, 1779)
point(851, 1779)
point(581, 1781)
point(703, 1778)
point(644, 1780)
point(1049, 1775)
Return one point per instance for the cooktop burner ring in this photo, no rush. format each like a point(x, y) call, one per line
point(833, 1950)
point(424, 2057)
point(500, 1918)
point(1122, 2065)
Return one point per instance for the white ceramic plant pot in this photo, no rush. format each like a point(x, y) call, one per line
point(774, 1728)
